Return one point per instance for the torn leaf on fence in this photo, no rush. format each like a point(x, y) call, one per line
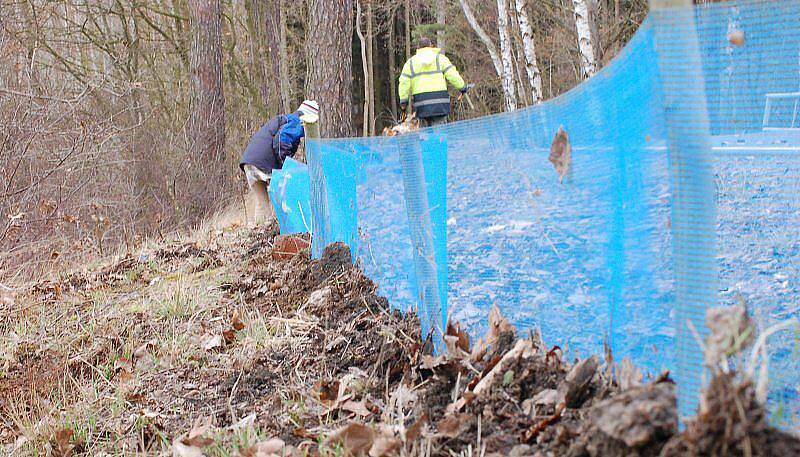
point(561, 153)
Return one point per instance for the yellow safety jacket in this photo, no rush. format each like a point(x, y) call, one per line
point(425, 76)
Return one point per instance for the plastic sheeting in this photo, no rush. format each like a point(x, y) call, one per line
point(683, 193)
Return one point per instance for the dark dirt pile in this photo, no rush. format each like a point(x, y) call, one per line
point(242, 345)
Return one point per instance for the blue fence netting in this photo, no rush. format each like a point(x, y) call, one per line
point(288, 192)
point(683, 193)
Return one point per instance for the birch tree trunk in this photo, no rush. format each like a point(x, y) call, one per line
point(509, 86)
point(207, 120)
point(371, 67)
point(441, 19)
point(586, 44)
point(365, 66)
point(531, 67)
point(329, 56)
point(490, 47)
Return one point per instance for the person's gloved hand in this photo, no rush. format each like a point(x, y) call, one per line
point(403, 106)
point(466, 88)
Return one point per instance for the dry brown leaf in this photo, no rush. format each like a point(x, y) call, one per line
point(411, 124)
point(462, 341)
point(211, 342)
point(358, 408)
point(356, 439)
point(141, 351)
point(183, 450)
point(200, 427)
point(274, 446)
point(305, 434)
point(572, 390)
point(403, 398)
point(736, 37)
point(546, 397)
point(229, 336)
point(515, 353)
point(430, 362)
point(497, 325)
point(62, 443)
point(628, 376)
point(414, 431)
point(561, 153)
point(123, 369)
point(328, 390)
point(479, 350)
point(6, 297)
point(236, 322)
point(453, 351)
point(385, 446)
point(453, 426)
point(245, 422)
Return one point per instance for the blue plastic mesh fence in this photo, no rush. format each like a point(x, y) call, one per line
point(288, 192)
point(683, 192)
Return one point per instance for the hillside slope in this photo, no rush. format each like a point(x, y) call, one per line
point(235, 346)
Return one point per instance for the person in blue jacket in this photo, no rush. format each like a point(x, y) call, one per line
point(276, 140)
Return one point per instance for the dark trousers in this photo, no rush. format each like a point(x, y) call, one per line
point(432, 121)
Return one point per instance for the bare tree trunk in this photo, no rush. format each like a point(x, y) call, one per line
point(586, 44)
point(532, 68)
point(407, 12)
point(523, 88)
point(207, 121)
point(286, 88)
point(365, 66)
point(509, 86)
point(441, 19)
point(371, 67)
point(329, 56)
point(392, 66)
point(270, 43)
point(257, 24)
point(490, 47)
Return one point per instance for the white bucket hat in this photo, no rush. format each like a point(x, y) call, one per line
point(309, 107)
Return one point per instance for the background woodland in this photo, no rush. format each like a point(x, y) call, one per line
point(124, 119)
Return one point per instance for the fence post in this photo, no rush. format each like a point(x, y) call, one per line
point(310, 126)
point(692, 186)
point(421, 229)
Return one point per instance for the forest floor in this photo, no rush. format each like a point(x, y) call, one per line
point(231, 344)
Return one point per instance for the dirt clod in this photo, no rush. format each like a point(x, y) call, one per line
point(288, 246)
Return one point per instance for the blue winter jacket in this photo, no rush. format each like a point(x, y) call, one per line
point(277, 139)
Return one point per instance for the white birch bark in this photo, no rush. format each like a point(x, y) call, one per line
point(365, 65)
point(509, 86)
point(498, 66)
point(532, 68)
point(585, 39)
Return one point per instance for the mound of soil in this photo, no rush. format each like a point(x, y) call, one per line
point(312, 361)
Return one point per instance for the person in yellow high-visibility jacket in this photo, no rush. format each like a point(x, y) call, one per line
point(425, 77)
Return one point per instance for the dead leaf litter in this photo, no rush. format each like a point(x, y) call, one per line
point(236, 346)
